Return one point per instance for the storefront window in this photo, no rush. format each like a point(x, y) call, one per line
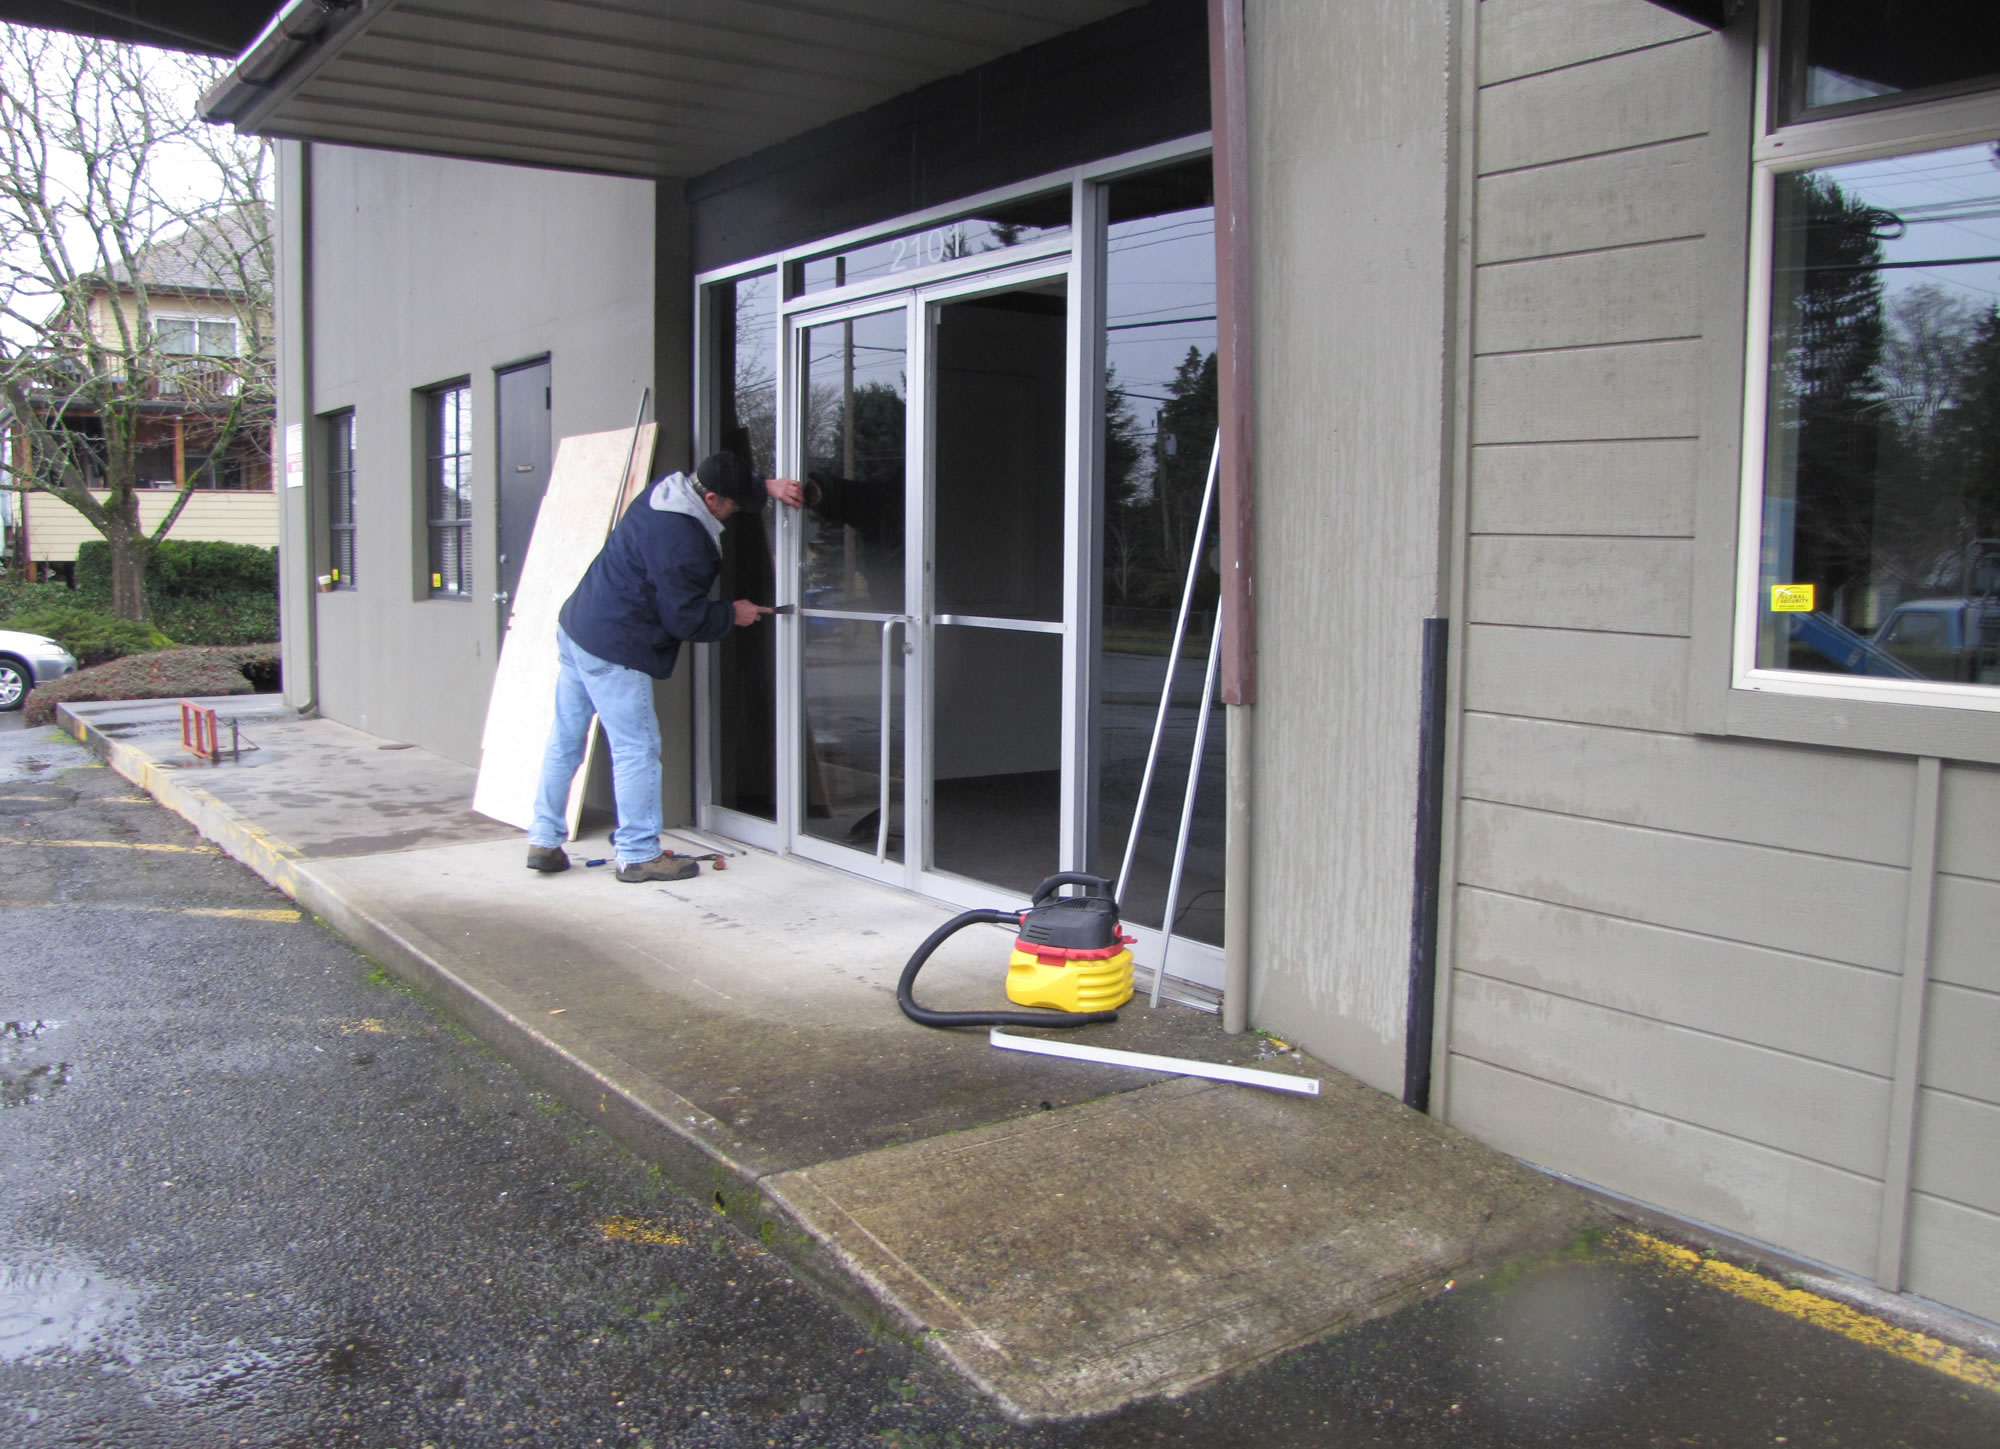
point(993, 229)
point(1160, 421)
point(1880, 544)
point(744, 353)
point(1848, 55)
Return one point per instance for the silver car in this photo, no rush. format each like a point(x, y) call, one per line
point(27, 660)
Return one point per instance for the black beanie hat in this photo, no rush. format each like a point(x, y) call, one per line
point(728, 476)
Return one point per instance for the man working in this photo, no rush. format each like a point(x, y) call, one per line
point(644, 594)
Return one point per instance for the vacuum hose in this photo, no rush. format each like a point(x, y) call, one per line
point(924, 1016)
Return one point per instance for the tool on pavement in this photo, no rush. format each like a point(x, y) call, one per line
point(1070, 958)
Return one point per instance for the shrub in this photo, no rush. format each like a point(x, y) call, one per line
point(19, 594)
point(183, 568)
point(92, 635)
point(227, 619)
point(167, 674)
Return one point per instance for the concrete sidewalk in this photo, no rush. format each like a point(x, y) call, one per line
point(1070, 1236)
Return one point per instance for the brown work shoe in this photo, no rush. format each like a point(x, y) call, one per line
point(660, 867)
point(548, 859)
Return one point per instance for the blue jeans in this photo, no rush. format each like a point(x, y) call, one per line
point(623, 699)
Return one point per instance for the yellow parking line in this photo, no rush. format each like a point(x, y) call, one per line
point(282, 915)
point(623, 1229)
point(1827, 1313)
point(116, 845)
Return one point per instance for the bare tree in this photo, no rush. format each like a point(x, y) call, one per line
point(135, 279)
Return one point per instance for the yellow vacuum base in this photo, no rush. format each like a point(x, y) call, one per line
point(1073, 985)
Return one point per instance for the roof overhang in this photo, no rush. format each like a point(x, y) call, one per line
point(649, 88)
point(210, 27)
point(1713, 13)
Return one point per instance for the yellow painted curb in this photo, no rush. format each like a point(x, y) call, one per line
point(1827, 1313)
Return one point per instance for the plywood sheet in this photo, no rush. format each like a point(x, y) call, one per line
point(585, 497)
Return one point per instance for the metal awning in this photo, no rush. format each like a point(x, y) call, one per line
point(212, 27)
point(651, 88)
point(1713, 13)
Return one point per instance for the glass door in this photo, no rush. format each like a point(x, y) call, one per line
point(996, 501)
point(853, 637)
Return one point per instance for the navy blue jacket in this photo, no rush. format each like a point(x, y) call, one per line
point(647, 591)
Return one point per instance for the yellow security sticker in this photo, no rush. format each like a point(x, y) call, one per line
point(1791, 598)
point(336, 576)
point(437, 581)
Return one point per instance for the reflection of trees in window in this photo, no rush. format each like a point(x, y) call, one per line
point(1154, 485)
point(855, 460)
point(1123, 549)
point(1828, 354)
point(750, 424)
point(1884, 477)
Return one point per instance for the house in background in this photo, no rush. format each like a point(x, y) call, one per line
point(1578, 385)
point(205, 291)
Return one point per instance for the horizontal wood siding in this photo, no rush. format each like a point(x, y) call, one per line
point(1788, 1002)
point(1951, 1255)
point(227, 516)
point(1526, 37)
point(1816, 1211)
point(1955, 1208)
point(1676, 960)
point(1630, 680)
point(1817, 802)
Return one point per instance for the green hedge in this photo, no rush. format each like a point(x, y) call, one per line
point(92, 635)
point(183, 569)
point(242, 618)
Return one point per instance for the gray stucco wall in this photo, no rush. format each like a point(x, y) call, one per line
point(1349, 132)
point(424, 271)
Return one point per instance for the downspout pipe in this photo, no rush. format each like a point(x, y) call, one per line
point(1229, 120)
point(299, 507)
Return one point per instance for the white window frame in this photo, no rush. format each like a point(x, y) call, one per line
point(1887, 129)
point(195, 319)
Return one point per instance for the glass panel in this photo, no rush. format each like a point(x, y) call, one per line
point(843, 735)
point(994, 229)
point(855, 405)
point(996, 755)
point(1160, 418)
point(340, 496)
point(745, 361)
point(1882, 474)
point(175, 334)
point(854, 394)
point(1851, 53)
point(997, 491)
point(450, 487)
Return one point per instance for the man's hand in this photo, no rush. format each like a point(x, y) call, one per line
point(748, 613)
point(786, 490)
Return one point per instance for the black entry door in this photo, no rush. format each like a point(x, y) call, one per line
point(525, 451)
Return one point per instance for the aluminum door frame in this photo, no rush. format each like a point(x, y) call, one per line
point(793, 325)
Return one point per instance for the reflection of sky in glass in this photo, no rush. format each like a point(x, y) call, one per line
point(1949, 203)
point(949, 241)
point(878, 350)
point(1159, 301)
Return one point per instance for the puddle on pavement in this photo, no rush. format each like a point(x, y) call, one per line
point(56, 1302)
point(26, 1075)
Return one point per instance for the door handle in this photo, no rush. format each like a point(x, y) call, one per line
point(501, 597)
point(903, 622)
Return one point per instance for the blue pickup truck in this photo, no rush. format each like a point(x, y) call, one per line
point(1954, 639)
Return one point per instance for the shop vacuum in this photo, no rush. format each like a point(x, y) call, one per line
point(1070, 959)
